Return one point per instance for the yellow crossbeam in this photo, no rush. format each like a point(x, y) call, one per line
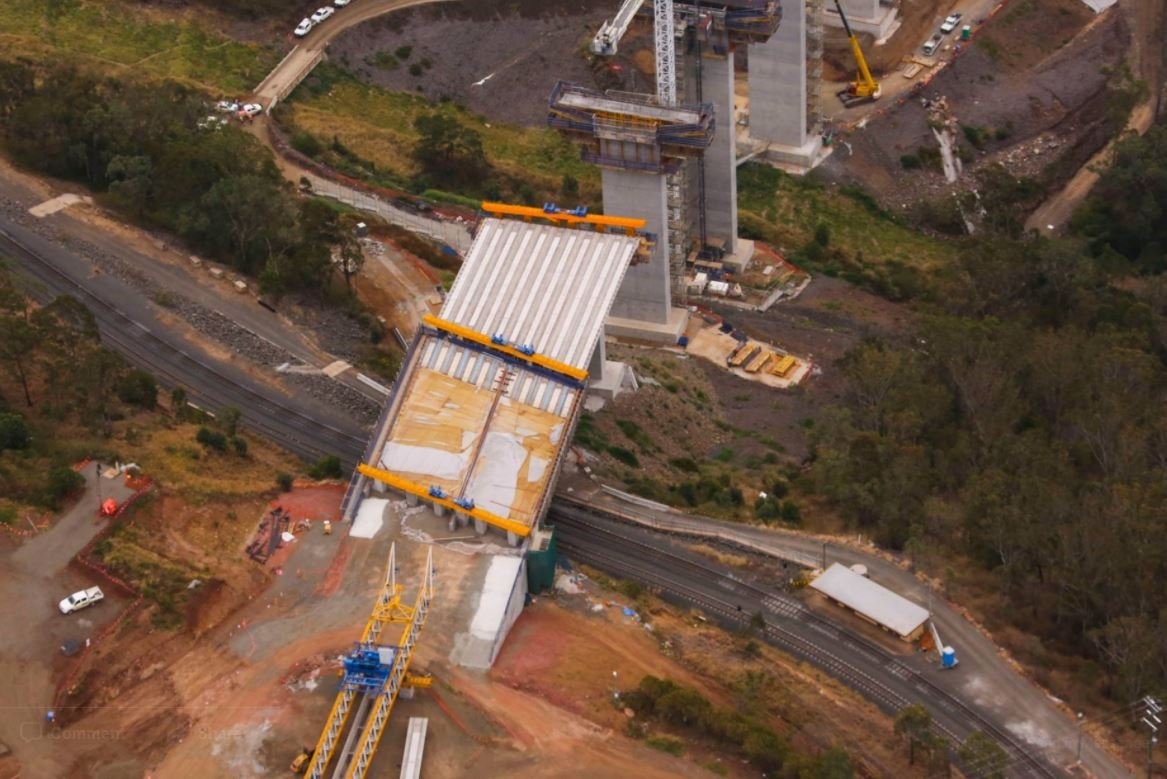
point(480, 338)
point(405, 485)
point(628, 224)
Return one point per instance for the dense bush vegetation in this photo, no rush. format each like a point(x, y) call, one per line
point(56, 372)
point(686, 709)
point(1022, 426)
point(141, 145)
point(1126, 219)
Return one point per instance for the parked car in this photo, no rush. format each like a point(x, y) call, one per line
point(303, 28)
point(933, 44)
point(227, 106)
point(323, 13)
point(341, 3)
point(81, 599)
point(950, 23)
point(251, 109)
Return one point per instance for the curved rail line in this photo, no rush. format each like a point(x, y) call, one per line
point(277, 421)
point(784, 608)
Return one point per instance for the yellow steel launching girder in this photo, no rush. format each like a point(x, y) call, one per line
point(628, 224)
point(412, 487)
point(479, 338)
point(387, 610)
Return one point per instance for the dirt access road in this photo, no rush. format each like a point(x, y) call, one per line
point(33, 577)
point(1052, 216)
point(306, 54)
point(1146, 58)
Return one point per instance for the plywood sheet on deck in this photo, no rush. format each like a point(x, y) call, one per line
point(433, 436)
point(514, 466)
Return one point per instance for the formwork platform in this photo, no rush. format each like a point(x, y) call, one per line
point(490, 391)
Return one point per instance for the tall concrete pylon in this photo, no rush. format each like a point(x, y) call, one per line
point(783, 88)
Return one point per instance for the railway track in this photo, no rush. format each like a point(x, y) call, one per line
point(868, 668)
point(207, 386)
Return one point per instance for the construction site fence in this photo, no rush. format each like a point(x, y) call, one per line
point(327, 182)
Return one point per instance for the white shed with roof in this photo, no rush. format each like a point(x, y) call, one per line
point(875, 603)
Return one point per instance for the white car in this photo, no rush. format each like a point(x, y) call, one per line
point(341, 3)
point(303, 28)
point(227, 106)
point(950, 23)
point(80, 600)
point(933, 44)
point(251, 110)
point(323, 13)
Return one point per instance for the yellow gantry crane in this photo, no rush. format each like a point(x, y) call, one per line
point(866, 89)
point(374, 673)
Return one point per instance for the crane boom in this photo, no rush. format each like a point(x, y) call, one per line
point(608, 37)
point(664, 33)
point(866, 88)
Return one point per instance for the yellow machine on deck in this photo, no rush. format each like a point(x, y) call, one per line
point(373, 676)
point(866, 89)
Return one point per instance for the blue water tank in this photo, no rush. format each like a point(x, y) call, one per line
point(683, 341)
point(948, 657)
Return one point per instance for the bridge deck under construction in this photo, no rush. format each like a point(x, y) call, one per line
point(491, 389)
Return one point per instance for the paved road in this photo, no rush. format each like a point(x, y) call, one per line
point(33, 577)
point(730, 596)
point(310, 49)
point(984, 678)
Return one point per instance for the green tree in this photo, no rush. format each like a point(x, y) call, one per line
point(983, 757)
point(138, 388)
point(62, 482)
point(328, 467)
point(449, 151)
point(228, 418)
point(1126, 214)
point(915, 723)
point(13, 432)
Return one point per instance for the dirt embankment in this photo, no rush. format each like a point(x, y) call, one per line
point(1004, 89)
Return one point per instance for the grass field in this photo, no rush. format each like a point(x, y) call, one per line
point(786, 211)
point(377, 125)
point(132, 39)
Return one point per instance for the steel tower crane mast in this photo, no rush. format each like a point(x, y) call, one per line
point(607, 41)
point(374, 672)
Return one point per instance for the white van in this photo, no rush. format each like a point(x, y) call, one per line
point(933, 44)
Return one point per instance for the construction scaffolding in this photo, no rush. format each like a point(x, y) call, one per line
point(629, 131)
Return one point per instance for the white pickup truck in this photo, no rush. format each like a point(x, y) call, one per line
point(81, 599)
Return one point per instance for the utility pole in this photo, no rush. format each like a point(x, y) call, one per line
point(1152, 721)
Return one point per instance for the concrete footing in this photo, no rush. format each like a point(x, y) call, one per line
point(743, 252)
point(479, 527)
point(797, 160)
point(665, 333)
point(615, 379)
